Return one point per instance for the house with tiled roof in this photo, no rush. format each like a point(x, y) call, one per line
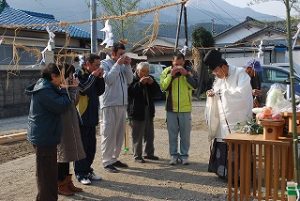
point(241, 42)
point(20, 27)
point(21, 42)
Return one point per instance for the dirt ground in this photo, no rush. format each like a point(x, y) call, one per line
point(153, 180)
point(16, 150)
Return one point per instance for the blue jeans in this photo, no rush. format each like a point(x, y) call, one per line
point(179, 122)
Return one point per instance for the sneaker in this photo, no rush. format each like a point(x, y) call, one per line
point(111, 168)
point(151, 157)
point(185, 161)
point(173, 160)
point(83, 179)
point(139, 160)
point(93, 176)
point(120, 164)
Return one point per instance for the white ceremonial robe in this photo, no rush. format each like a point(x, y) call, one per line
point(235, 102)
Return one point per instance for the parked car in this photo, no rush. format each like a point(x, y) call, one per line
point(155, 71)
point(273, 74)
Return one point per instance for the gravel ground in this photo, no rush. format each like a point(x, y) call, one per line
point(148, 181)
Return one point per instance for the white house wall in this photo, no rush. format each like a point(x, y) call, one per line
point(266, 36)
point(236, 35)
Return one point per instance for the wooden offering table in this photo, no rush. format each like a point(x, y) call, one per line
point(258, 168)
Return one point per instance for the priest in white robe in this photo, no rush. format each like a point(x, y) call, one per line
point(232, 92)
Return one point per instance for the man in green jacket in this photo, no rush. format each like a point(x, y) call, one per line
point(178, 82)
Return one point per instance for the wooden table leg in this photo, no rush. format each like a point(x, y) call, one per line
point(229, 162)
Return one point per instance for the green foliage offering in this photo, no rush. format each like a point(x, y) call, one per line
point(202, 38)
point(252, 128)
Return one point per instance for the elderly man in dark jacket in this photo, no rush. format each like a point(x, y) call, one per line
point(141, 112)
point(48, 102)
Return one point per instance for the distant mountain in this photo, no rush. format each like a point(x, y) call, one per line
point(200, 13)
point(203, 11)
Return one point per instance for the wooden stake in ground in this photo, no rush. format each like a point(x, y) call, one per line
point(12, 137)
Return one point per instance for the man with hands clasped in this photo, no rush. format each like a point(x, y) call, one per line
point(141, 112)
point(178, 82)
point(91, 86)
point(117, 76)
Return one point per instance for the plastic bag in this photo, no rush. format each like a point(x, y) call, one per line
point(212, 117)
point(275, 98)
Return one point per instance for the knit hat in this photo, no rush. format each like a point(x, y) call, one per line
point(254, 64)
point(213, 59)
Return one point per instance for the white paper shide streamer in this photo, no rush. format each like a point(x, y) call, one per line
point(1, 39)
point(184, 50)
point(50, 44)
point(108, 35)
point(295, 37)
point(260, 51)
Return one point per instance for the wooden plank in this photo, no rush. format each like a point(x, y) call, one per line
point(236, 171)
point(260, 169)
point(276, 171)
point(254, 169)
point(242, 171)
point(283, 170)
point(229, 197)
point(271, 170)
point(248, 171)
point(4, 139)
point(267, 170)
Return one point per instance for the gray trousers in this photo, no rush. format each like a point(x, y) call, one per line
point(142, 130)
point(112, 128)
point(179, 122)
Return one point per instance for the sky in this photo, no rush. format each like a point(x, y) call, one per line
point(276, 8)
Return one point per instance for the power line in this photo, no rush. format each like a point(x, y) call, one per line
point(211, 1)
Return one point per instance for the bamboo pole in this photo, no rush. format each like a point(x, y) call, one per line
point(292, 78)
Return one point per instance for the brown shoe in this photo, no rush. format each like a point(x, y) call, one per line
point(63, 188)
point(71, 184)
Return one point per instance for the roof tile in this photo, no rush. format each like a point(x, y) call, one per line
point(11, 16)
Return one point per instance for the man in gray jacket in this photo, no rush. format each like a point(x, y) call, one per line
point(117, 76)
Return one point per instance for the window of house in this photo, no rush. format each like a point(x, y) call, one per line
point(6, 54)
point(27, 58)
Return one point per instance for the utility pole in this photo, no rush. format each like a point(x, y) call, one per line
point(178, 27)
point(93, 15)
point(213, 31)
point(186, 26)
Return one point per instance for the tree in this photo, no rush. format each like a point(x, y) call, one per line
point(201, 38)
point(2, 5)
point(122, 28)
